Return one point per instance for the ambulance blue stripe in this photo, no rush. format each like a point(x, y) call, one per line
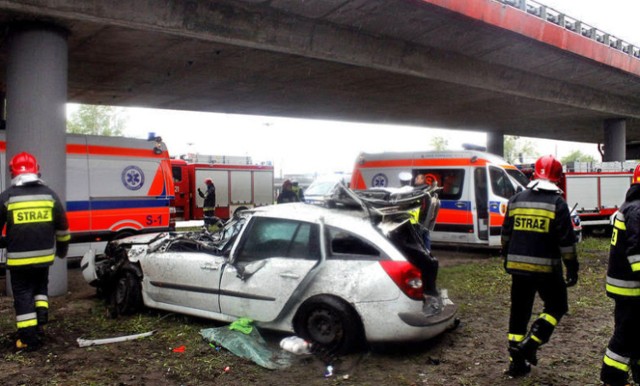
point(494, 206)
point(451, 204)
point(75, 206)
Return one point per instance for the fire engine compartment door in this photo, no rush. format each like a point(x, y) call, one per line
point(263, 187)
point(220, 181)
point(501, 189)
point(240, 188)
point(583, 190)
point(613, 189)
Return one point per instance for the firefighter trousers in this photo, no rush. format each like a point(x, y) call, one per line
point(553, 292)
point(623, 351)
point(30, 300)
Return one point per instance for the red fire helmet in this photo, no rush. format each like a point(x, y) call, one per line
point(208, 181)
point(23, 163)
point(636, 175)
point(548, 168)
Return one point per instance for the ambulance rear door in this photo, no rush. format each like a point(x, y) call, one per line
point(500, 189)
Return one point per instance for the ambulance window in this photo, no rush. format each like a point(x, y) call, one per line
point(177, 173)
point(451, 181)
point(500, 183)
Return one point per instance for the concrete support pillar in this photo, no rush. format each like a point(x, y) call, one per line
point(36, 110)
point(495, 143)
point(615, 132)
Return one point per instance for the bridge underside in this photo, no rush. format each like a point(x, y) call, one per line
point(401, 62)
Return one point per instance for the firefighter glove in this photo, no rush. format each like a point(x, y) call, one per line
point(572, 272)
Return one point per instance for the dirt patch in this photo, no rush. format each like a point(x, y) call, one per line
point(473, 354)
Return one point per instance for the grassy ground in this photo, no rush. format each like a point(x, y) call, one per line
point(474, 354)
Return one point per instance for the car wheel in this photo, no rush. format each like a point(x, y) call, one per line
point(126, 297)
point(330, 323)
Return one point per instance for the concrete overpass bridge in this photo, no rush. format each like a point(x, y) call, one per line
point(505, 67)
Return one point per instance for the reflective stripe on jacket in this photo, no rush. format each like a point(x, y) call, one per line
point(536, 232)
point(623, 273)
point(35, 220)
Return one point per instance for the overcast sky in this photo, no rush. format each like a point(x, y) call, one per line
point(307, 146)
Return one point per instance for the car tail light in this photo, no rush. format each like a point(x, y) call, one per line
point(406, 276)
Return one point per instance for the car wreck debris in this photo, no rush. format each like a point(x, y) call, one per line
point(117, 339)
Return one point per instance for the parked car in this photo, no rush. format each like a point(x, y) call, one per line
point(323, 187)
point(336, 277)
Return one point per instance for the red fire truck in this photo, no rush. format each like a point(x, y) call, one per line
point(596, 188)
point(239, 184)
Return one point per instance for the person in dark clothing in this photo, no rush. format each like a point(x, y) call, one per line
point(295, 186)
point(623, 286)
point(537, 237)
point(209, 196)
point(37, 230)
point(287, 194)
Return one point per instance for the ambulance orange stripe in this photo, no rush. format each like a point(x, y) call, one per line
point(496, 219)
point(453, 216)
point(114, 151)
point(423, 162)
point(157, 185)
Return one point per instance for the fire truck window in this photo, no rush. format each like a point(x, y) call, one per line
point(344, 245)
point(451, 181)
point(500, 183)
point(177, 174)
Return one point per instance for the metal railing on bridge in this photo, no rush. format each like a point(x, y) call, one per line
point(551, 15)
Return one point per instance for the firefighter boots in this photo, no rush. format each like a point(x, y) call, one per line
point(32, 346)
point(518, 367)
point(528, 349)
point(432, 305)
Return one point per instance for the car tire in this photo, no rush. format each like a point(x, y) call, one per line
point(330, 324)
point(126, 296)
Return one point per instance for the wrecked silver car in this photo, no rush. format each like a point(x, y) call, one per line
point(336, 277)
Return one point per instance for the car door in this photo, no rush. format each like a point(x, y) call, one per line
point(269, 267)
point(186, 279)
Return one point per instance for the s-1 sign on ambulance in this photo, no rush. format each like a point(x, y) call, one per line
point(116, 187)
point(476, 187)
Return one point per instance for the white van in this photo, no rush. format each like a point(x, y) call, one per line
point(476, 187)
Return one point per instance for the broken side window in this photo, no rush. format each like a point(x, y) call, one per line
point(269, 237)
point(345, 245)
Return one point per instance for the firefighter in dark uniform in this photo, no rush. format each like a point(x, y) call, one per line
point(623, 285)
point(36, 231)
point(209, 205)
point(537, 237)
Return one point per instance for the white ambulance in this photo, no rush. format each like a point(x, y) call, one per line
point(116, 187)
point(476, 187)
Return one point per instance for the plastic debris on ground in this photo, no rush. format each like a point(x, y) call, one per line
point(250, 346)
point(295, 345)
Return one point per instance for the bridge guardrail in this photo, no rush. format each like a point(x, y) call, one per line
point(551, 15)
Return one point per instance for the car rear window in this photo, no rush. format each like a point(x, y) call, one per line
point(346, 245)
